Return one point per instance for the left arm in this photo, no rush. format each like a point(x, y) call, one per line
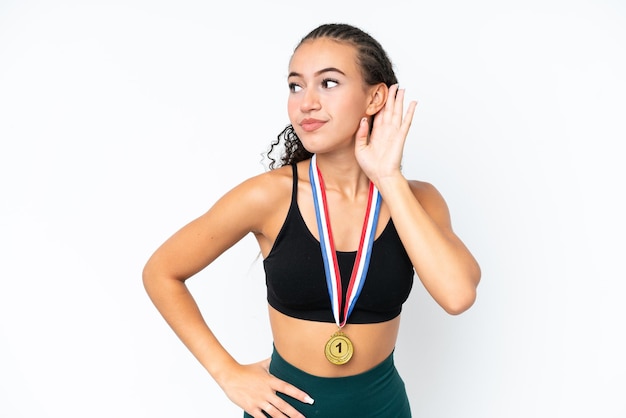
point(445, 266)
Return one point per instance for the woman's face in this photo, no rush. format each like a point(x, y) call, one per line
point(327, 94)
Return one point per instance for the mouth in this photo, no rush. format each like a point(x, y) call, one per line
point(310, 125)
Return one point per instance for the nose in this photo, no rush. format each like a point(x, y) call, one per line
point(310, 100)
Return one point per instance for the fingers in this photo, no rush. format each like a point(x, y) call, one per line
point(390, 122)
point(391, 113)
point(362, 133)
point(275, 406)
point(273, 411)
point(398, 105)
point(292, 391)
point(280, 408)
point(408, 118)
point(383, 115)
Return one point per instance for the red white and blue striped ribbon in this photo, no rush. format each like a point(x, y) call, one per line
point(329, 255)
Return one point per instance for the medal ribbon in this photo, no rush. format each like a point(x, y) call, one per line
point(327, 244)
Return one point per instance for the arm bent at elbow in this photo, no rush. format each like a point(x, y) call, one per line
point(442, 262)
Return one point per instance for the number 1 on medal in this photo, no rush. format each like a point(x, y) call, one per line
point(339, 348)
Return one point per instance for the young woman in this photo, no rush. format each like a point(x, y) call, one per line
point(342, 233)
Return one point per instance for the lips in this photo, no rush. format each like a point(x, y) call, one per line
point(310, 125)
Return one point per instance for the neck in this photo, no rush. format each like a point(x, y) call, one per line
point(342, 173)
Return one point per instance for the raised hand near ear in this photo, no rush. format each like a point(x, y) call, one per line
point(380, 154)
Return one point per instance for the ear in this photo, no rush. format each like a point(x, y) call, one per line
point(378, 97)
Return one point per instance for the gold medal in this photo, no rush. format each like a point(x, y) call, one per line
point(339, 348)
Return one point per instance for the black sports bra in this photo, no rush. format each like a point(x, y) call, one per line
point(296, 282)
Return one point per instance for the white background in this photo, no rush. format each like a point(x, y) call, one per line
point(120, 121)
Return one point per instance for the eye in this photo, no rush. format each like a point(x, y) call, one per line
point(329, 83)
point(294, 88)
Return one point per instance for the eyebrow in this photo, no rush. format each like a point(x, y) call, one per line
point(317, 73)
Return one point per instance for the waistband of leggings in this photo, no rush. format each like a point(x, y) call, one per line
point(365, 378)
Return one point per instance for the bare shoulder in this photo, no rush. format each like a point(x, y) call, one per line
point(264, 202)
point(424, 189)
point(432, 201)
point(266, 186)
point(261, 195)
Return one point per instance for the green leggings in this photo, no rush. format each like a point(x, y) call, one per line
point(376, 393)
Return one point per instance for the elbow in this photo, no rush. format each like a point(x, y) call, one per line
point(157, 278)
point(462, 298)
point(150, 277)
point(459, 303)
point(146, 278)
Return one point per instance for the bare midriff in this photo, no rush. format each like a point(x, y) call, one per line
point(301, 343)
